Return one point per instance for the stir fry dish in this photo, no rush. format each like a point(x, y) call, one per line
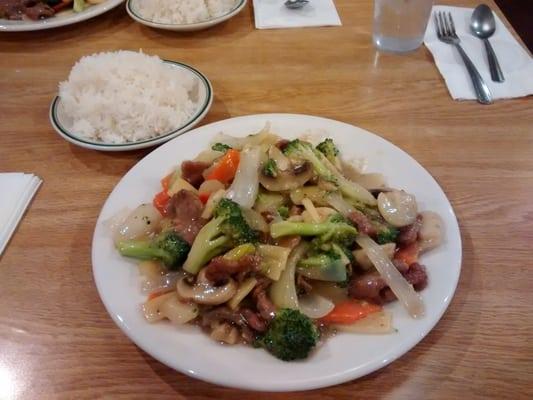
point(40, 9)
point(277, 244)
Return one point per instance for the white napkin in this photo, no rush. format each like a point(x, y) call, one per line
point(270, 14)
point(17, 190)
point(516, 64)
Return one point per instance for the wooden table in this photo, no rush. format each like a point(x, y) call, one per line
point(57, 341)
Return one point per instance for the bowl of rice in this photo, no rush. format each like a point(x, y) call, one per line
point(128, 100)
point(183, 15)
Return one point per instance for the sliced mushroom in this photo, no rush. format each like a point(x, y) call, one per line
point(287, 180)
point(431, 231)
point(399, 208)
point(203, 291)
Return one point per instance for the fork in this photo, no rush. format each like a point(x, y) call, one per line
point(446, 33)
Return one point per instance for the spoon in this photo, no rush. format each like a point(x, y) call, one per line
point(295, 4)
point(483, 25)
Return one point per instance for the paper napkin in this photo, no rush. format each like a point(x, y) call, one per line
point(16, 192)
point(271, 14)
point(515, 62)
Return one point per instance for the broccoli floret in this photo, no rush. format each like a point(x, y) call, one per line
point(324, 266)
point(167, 247)
point(334, 229)
point(220, 147)
point(226, 230)
point(328, 148)
point(290, 336)
point(270, 168)
point(387, 234)
point(301, 150)
point(283, 212)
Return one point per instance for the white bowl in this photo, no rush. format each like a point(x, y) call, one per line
point(343, 357)
point(205, 99)
point(132, 11)
point(62, 18)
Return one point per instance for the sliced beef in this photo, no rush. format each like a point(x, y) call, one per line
point(256, 322)
point(409, 234)
point(267, 310)
point(220, 269)
point(289, 241)
point(192, 171)
point(302, 284)
point(416, 275)
point(282, 143)
point(363, 223)
point(400, 265)
point(295, 210)
point(185, 208)
point(367, 287)
point(39, 11)
point(371, 287)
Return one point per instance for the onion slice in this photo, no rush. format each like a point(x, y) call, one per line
point(245, 186)
point(315, 306)
point(392, 277)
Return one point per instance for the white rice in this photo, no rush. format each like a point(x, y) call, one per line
point(183, 11)
point(126, 96)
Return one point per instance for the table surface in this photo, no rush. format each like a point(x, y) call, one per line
point(56, 339)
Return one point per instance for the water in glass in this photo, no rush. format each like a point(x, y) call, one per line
point(399, 25)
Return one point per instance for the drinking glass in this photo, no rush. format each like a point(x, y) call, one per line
point(399, 25)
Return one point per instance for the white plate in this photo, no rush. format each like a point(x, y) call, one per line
point(131, 7)
point(343, 357)
point(205, 99)
point(66, 17)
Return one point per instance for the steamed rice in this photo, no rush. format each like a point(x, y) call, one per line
point(183, 11)
point(126, 96)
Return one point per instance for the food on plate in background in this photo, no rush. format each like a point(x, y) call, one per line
point(126, 96)
point(35, 10)
point(183, 11)
point(266, 241)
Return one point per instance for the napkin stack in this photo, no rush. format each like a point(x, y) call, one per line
point(271, 14)
point(516, 64)
point(17, 190)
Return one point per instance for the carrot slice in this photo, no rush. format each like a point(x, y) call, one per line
point(165, 182)
point(225, 168)
point(408, 254)
point(161, 201)
point(350, 311)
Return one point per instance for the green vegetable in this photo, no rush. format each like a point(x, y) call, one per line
point(330, 150)
point(290, 336)
point(226, 230)
point(334, 229)
point(79, 5)
point(167, 247)
point(220, 147)
point(267, 201)
point(325, 265)
point(283, 212)
point(387, 234)
point(270, 168)
point(300, 150)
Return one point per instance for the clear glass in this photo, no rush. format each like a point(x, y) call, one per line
point(399, 25)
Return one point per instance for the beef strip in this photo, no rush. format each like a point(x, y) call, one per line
point(39, 11)
point(409, 234)
point(372, 287)
point(363, 223)
point(267, 310)
point(185, 208)
point(220, 269)
point(192, 171)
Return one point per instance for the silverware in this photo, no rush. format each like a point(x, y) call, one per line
point(446, 33)
point(483, 25)
point(295, 4)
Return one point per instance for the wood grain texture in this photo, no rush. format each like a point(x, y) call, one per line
point(56, 339)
